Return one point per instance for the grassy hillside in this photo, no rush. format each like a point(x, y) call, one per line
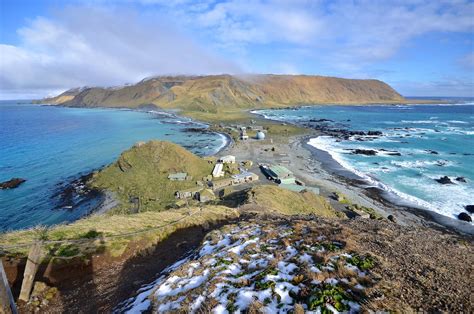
point(113, 233)
point(142, 172)
point(226, 94)
point(286, 202)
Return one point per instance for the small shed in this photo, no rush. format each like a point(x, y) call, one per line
point(222, 183)
point(179, 176)
point(228, 159)
point(244, 177)
point(188, 193)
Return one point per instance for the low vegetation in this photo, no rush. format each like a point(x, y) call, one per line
point(288, 202)
point(270, 266)
point(139, 177)
point(113, 233)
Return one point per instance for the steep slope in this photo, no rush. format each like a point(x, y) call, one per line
point(226, 92)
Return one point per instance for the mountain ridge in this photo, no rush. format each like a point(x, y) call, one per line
point(214, 93)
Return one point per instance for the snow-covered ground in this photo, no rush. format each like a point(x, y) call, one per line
point(266, 267)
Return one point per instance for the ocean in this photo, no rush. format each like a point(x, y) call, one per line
point(420, 143)
point(50, 146)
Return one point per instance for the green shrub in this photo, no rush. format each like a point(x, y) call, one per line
point(328, 294)
point(67, 250)
point(362, 262)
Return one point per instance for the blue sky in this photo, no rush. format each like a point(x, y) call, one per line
point(421, 48)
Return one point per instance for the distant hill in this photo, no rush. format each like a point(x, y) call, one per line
point(226, 92)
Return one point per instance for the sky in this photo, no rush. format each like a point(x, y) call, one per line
point(421, 48)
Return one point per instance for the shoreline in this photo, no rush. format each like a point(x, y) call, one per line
point(385, 198)
point(77, 187)
point(335, 177)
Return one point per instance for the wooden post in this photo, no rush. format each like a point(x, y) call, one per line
point(7, 303)
point(31, 268)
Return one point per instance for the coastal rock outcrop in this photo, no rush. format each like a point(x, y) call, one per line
point(461, 179)
point(375, 133)
point(444, 180)
point(465, 217)
point(11, 184)
point(469, 208)
point(367, 152)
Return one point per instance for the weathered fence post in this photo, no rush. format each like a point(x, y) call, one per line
point(7, 303)
point(31, 268)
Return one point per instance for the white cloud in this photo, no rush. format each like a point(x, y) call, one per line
point(446, 86)
point(97, 46)
point(349, 34)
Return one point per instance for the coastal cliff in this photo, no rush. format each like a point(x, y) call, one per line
point(226, 92)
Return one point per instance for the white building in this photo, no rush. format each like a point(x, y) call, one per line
point(229, 159)
point(218, 170)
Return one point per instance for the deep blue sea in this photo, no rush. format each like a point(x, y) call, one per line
point(413, 131)
point(50, 146)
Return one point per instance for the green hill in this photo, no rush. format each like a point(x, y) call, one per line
point(142, 172)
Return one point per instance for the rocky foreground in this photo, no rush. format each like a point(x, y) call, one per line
point(307, 264)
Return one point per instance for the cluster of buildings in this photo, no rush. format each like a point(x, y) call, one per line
point(204, 191)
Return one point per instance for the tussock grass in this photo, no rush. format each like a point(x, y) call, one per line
point(109, 227)
point(290, 203)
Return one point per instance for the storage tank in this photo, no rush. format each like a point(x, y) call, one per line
point(260, 135)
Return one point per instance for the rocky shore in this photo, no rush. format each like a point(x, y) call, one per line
point(316, 167)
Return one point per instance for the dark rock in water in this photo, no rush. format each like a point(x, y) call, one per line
point(433, 152)
point(465, 217)
point(11, 184)
point(461, 179)
point(469, 208)
point(375, 133)
point(444, 180)
point(74, 194)
point(391, 218)
point(368, 152)
point(394, 154)
point(320, 120)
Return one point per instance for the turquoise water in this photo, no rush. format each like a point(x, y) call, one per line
point(411, 130)
point(50, 146)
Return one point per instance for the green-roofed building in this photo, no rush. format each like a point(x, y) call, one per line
point(279, 172)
